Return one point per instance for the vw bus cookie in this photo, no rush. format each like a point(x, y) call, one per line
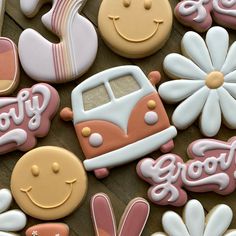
point(67, 60)
point(9, 63)
point(135, 28)
point(119, 117)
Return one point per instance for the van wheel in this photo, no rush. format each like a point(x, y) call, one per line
point(101, 173)
point(167, 147)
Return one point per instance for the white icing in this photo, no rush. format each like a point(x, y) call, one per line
point(95, 140)
point(189, 7)
point(151, 118)
point(230, 64)
point(226, 4)
point(2, 10)
point(18, 136)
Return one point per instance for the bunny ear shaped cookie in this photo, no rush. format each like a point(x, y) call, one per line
point(132, 222)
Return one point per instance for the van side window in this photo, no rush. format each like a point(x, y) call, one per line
point(95, 97)
point(123, 86)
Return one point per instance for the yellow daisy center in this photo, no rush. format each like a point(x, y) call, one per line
point(214, 80)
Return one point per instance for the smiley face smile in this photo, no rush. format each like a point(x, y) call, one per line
point(27, 192)
point(116, 18)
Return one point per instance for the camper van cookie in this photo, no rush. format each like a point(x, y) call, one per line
point(194, 222)
point(26, 116)
point(211, 168)
point(66, 60)
point(48, 229)
point(12, 220)
point(135, 29)
point(197, 13)
point(119, 117)
point(132, 222)
point(206, 81)
point(53, 185)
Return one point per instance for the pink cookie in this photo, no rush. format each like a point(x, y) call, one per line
point(27, 116)
point(198, 14)
point(212, 168)
point(48, 229)
point(132, 222)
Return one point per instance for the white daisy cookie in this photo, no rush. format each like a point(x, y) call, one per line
point(195, 223)
point(205, 81)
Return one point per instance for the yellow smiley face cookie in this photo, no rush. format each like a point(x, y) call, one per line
point(48, 183)
point(135, 28)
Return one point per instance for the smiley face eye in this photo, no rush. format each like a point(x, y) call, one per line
point(55, 167)
point(35, 170)
point(147, 4)
point(126, 3)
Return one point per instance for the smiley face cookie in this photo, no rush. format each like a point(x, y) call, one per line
point(135, 28)
point(48, 183)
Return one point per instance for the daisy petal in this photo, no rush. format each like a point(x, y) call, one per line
point(159, 234)
point(218, 220)
point(7, 234)
point(195, 48)
point(230, 62)
point(194, 218)
point(188, 111)
point(230, 233)
point(179, 66)
point(211, 115)
point(217, 40)
point(228, 107)
point(178, 90)
point(231, 77)
point(231, 88)
point(174, 225)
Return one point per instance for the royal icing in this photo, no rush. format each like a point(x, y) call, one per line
point(53, 229)
point(131, 123)
point(207, 82)
point(64, 61)
point(118, 20)
point(26, 117)
point(10, 221)
point(53, 185)
point(195, 223)
point(212, 168)
point(132, 222)
point(197, 13)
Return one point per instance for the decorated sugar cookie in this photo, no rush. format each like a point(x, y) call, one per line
point(206, 82)
point(132, 222)
point(66, 60)
point(135, 28)
point(211, 168)
point(9, 65)
point(119, 117)
point(12, 220)
point(27, 116)
point(54, 229)
point(198, 13)
point(195, 223)
point(53, 185)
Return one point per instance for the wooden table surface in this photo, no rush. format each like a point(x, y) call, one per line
point(123, 183)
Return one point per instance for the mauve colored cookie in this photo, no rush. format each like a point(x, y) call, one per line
point(132, 222)
point(27, 116)
point(53, 185)
point(212, 168)
point(119, 117)
point(48, 229)
point(67, 60)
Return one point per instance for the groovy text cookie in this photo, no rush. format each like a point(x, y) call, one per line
point(26, 116)
point(197, 13)
point(53, 185)
point(119, 117)
point(206, 82)
point(135, 28)
point(12, 220)
point(212, 168)
point(66, 60)
point(132, 222)
point(195, 223)
point(9, 64)
point(48, 229)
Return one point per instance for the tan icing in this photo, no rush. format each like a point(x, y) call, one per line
point(135, 28)
point(214, 80)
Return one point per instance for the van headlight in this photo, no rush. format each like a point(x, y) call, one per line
point(151, 118)
point(95, 140)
